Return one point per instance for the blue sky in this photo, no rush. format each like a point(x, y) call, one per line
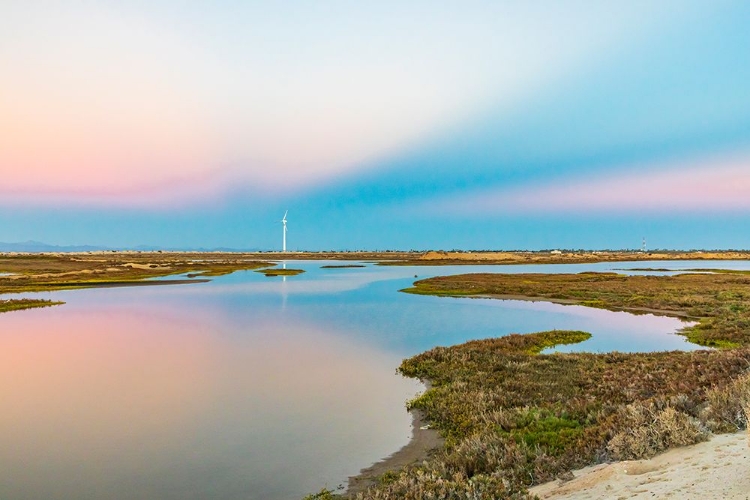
point(480, 125)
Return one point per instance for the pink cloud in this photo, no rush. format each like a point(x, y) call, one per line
point(122, 105)
point(707, 185)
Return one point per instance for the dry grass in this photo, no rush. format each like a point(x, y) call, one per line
point(726, 406)
point(646, 430)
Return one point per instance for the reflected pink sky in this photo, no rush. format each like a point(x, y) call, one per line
point(119, 403)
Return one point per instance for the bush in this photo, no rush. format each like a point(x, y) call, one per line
point(647, 430)
point(726, 409)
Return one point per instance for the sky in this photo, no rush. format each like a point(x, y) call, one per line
point(377, 125)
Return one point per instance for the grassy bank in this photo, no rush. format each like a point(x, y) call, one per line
point(719, 302)
point(20, 304)
point(514, 418)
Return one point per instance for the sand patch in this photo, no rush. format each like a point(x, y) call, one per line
point(147, 266)
point(716, 469)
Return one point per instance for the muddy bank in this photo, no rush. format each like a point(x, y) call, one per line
point(424, 442)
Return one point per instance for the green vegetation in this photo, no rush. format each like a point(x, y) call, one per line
point(323, 495)
point(719, 302)
point(513, 418)
point(280, 272)
point(20, 304)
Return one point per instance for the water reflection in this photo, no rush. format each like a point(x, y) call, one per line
point(246, 387)
point(157, 404)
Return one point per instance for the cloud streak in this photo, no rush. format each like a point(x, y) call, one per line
point(707, 185)
point(105, 104)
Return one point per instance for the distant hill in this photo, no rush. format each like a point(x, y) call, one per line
point(39, 247)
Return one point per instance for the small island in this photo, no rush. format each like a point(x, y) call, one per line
point(280, 272)
point(21, 304)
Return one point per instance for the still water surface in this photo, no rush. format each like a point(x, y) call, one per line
point(247, 387)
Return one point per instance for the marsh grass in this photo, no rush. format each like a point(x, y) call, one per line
point(513, 418)
point(719, 302)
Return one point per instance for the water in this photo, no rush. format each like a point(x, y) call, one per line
point(247, 387)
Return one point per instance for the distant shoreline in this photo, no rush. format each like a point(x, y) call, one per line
point(397, 257)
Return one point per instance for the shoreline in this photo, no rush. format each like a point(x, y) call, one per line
point(423, 443)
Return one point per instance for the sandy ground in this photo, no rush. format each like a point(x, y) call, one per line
point(716, 469)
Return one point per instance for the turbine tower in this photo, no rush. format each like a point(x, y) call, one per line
point(283, 238)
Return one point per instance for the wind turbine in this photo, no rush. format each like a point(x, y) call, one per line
point(283, 241)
